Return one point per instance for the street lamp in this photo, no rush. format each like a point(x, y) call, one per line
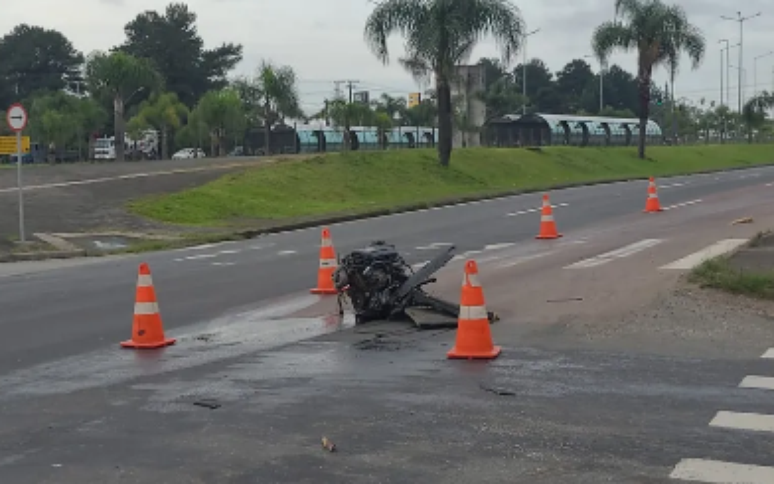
point(524, 67)
point(741, 21)
point(601, 83)
point(723, 69)
point(755, 70)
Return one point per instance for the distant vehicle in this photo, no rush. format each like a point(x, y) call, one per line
point(189, 153)
point(146, 147)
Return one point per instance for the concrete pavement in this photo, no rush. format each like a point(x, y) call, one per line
point(606, 375)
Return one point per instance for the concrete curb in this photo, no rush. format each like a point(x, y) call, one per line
point(43, 255)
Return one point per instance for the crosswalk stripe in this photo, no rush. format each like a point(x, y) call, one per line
point(625, 251)
point(743, 421)
point(717, 249)
point(717, 472)
point(760, 382)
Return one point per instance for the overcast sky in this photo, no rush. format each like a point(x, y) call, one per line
point(322, 39)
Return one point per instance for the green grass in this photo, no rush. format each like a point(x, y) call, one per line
point(718, 274)
point(365, 181)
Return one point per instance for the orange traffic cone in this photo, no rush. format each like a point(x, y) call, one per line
point(547, 223)
point(474, 336)
point(652, 205)
point(328, 266)
point(147, 329)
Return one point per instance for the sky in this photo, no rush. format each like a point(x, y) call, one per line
point(323, 39)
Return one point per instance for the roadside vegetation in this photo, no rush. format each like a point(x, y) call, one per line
point(361, 182)
point(720, 274)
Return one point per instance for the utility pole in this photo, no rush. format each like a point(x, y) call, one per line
point(350, 86)
point(524, 69)
point(722, 68)
point(741, 21)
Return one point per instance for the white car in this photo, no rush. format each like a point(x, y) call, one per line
point(189, 153)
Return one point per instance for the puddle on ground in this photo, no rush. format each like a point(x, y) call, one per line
point(226, 337)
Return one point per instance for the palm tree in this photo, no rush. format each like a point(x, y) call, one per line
point(119, 77)
point(279, 96)
point(659, 33)
point(440, 34)
point(754, 112)
point(164, 112)
point(223, 114)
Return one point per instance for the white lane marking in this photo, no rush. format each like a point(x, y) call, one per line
point(287, 252)
point(198, 247)
point(743, 421)
point(200, 256)
point(533, 210)
point(768, 184)
point(521, 260)
point(625, 251)
point(419, 265)
point(717, 472)
point(262, 246)
point(759, 382)
point(672, 185)
point(768, 354)
point(231, 251)
point(222, 264)
point(683, 204)
point(434, 245)
point(467, 254)
point(717, 249)
point(498, 246)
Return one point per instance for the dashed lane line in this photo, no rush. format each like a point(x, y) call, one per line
point(683, 204)
point(620, 253)
point(533, 210)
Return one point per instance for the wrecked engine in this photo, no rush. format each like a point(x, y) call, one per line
point(371, 277)
point(380, 284)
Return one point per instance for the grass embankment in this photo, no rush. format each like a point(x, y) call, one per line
point(755, 281)
point(365, 181)
point(720, 274)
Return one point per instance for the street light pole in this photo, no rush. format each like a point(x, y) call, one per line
point(601, 82)
point(722, 68)
point(755, 70)
point(741, 21)
point(524, 71)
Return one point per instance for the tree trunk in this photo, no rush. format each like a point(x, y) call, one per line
point(443, 91)
point(120, 130)
point(644, 82)
point(164, 143)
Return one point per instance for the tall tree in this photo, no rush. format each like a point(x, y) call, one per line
point(279, 96)
point(172, 42)
point(120, 77)
point(440, 34)
point(572, 80)
point(658, 33)
point(539, 77)
point(51, 119)
point(36, 59)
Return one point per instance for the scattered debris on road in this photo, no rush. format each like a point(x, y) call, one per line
point(328, 445)
point(210, 404)
point(744, 220)
point(498, 391)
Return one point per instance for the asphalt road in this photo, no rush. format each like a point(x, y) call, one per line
point(89, 305)
point(567, 402)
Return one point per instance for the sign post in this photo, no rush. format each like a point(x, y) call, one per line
point(17, 120)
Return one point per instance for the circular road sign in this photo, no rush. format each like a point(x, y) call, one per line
point(16, 117)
